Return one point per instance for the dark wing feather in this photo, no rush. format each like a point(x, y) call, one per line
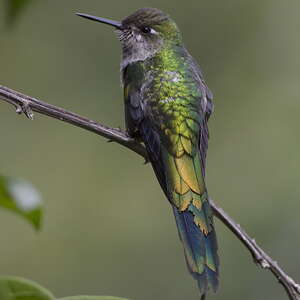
point(138, 123)
point(204, 135)
point(207, 106)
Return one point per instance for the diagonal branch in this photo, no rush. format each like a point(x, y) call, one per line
point(25, 104)
point(260, 257)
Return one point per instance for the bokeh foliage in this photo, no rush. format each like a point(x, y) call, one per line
point(14, 8)
point(14, 288)
point(20, 197)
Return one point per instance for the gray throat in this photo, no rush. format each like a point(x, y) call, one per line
point(138, 51)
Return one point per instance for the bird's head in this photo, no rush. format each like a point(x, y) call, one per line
point(143, 33)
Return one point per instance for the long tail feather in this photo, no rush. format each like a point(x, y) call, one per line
point(200, 250)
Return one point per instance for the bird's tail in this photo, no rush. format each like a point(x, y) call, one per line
point(200, 247)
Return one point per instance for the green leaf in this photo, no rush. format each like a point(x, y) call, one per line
point(14, 8)
point(22, 198)
point(13, 288)
point(92, 298)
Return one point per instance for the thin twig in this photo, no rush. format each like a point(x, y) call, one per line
point(260, 257)
point(25, 104)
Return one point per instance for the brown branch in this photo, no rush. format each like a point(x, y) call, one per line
point(25, 104)
point(260, 257)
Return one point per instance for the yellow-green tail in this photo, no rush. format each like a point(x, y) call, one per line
point(180, 173)
point(194, 218)
point(200, 247)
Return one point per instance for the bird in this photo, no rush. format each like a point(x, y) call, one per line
point(167, 107)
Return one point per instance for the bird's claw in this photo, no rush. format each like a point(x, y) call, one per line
point(25, 108)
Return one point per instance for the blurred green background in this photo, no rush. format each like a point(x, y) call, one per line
point(108, 228)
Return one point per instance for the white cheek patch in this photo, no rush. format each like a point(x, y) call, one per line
point(152, 31)
point(138, 37)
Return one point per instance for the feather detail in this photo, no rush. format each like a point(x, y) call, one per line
point(200, 251)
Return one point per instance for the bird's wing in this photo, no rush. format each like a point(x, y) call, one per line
point(139, 125)
point(204, 135)
point(207, 108)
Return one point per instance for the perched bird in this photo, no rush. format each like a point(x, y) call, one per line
point(167, 107)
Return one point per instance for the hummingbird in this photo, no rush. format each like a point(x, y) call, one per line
point(167, 107)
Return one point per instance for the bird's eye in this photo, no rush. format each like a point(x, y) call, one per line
point(146, 29)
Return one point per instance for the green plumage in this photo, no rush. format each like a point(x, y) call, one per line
point(167, 105)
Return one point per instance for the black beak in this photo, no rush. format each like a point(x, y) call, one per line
point(113, 23)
